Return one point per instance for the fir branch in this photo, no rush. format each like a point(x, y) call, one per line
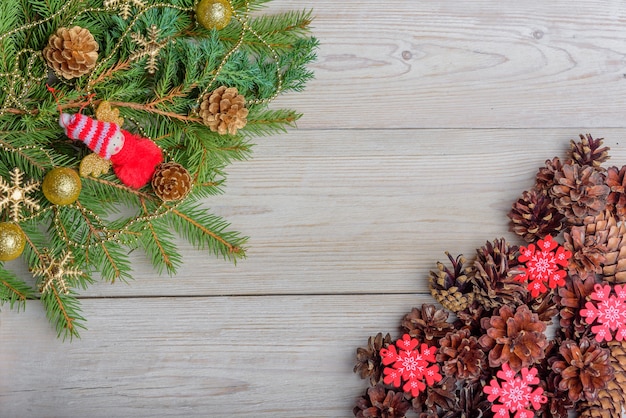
point(14, 290)
point(63, 311)
point(206, 231)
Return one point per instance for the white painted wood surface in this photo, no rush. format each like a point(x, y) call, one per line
point(426, 120)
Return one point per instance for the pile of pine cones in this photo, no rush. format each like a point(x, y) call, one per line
point(496, 308)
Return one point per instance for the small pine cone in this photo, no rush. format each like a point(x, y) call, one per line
point(439, 397)
point(71, 52)
point(380, 402)
point(469, 318)
point(534, 216)
point(451, 287)
point(589, 151)
point(224, 110)
point(545, 175)
point(171, 181)
point(585, 369)
point(368, 360)
point(579, 191)
point(572, 298)
point(544, 306)
point(427, 324)
point(517, 337)
point(494, 277)
point(461, 356)
point(611, 400)
point(472, 403)
point(616, 201)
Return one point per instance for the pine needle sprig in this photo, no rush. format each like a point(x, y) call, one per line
point(207, 232)
point(14, 290)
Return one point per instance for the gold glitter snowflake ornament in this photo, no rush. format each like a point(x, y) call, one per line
point(124, 6)
point(54, 272)
point(15, 195)
point(150, 47)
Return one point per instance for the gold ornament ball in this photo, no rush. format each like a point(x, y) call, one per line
point(12, 241)
point(214, 14)
point(61, 186)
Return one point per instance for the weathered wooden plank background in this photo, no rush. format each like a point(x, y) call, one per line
point(426, 120)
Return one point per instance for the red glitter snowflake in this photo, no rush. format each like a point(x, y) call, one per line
point(610, 312)
point(410, 364)
point(516, 395)
point(543, 265)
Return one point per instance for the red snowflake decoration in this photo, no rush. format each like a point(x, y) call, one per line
point(516, 394)
point(410, 365)
point(543, 265)
point(610, 312)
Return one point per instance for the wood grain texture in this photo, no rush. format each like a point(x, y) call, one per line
point(425, 121)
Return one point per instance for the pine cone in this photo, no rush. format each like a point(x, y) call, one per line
point(514, 337)
point(579, 192)
point(572, 298)
point(451, 287)
point(545, 175)
point(380, 402)
point(443, 395)
point(614, 264)
point(589, 152)
point(494, 277)
point(461, 356)
point(224, 110)
point(533, 216)
point(472, 404)
point(585, 369)
point(171, 181)
point(616, 201)
point(427, 324)
point(587, 243)
point(368, 361)
point(611, 400)
point(71, 52)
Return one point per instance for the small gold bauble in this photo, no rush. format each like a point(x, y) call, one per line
point(61, 186)
point(214, 14)
point(12, 241)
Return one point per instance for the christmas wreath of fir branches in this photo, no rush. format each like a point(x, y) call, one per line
point(117, 119)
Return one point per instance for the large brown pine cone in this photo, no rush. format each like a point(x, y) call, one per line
point(472, 404)
point(611, 400)
point(585, 368)
point(494, 277)
point(461, 356)
point(578, 192)
point(614, 245)
point(171, 181)
point(368, 360)
point(427, 324)
point(572, 298)
point(517, 337)
point(616, 201)
point(224, 110)
point(451, 287)
point(380, 402)
point(587, 243)
point(589, 151)
point(534, 216)
point(71, 52)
